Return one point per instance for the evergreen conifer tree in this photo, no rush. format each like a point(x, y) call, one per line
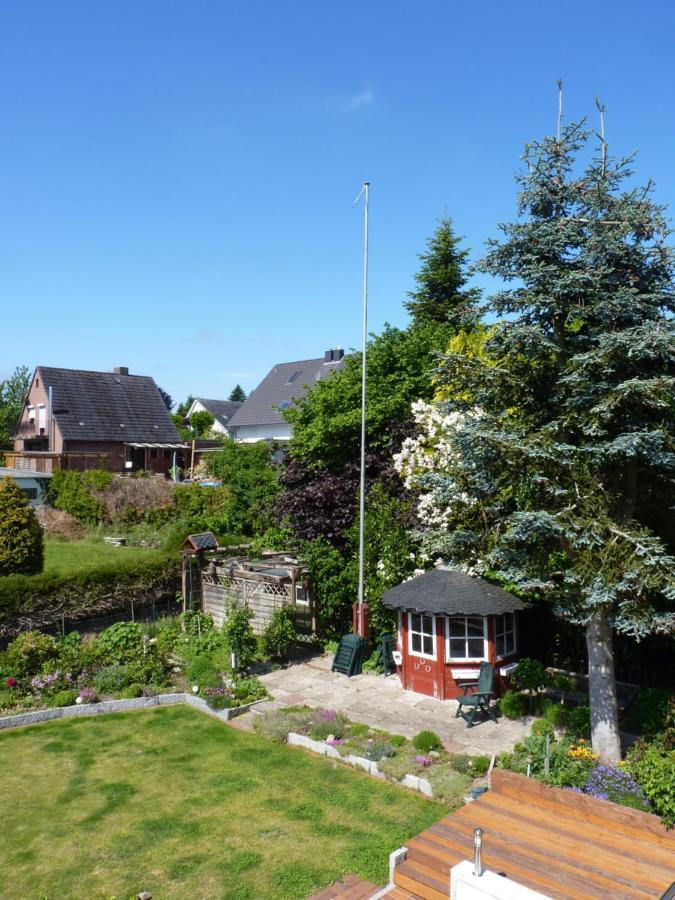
point(21, 536)
point(556, 469)
point(238, 394)
point(441, 296)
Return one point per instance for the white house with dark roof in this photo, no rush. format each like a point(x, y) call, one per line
point(260, 416)
point(221, 410)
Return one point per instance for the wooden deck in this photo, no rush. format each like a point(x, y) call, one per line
point(560, 843)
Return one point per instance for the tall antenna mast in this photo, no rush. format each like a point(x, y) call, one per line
point(362, 481)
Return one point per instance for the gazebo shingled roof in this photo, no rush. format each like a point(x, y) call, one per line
point(451, 592)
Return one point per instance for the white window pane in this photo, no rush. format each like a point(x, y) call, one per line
point(416, 643)
point(475, 626)
point(475, 648)
point(428, 645)
point(427, 625)
point(457, 627)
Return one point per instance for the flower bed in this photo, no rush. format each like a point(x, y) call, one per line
point(126, 661)
point(436, 773)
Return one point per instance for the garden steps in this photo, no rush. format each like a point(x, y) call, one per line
point(560, 843)
point(351, 887)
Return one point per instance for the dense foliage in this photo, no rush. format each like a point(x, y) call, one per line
point(21, 536)
point(12, 396)
point(250, 476)
point(44, 598)
point(552, 466)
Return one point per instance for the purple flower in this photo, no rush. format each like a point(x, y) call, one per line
point(327, 715)
point(335, 742)
point(88, 694)
point(422, 761)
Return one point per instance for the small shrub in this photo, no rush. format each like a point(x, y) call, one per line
point(654, 767)
point(220, 701)
point(239, 637)
point(64, 698)
point(131, 691)
point(8, 698)
point(120, 643)
point(69, 491)
point(579, 721)
point(557, 715)
point(203, 672)
point(513, 705)
point(377, 750)
point(111, 679)
point(529, 675)
point(359, 729)
point(426, 741)
point(321, 730)
point(648, 711)
point(28, 653)
point(278, 639)
point(449, 786)
point(542, 727)
point(70, 653)
point(277, 723)
point(465, 764)
point(247, 690)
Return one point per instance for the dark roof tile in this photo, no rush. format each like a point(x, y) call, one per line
point(102, 406)
point(451, 592)
point(285, 382)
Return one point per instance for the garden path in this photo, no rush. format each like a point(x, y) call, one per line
point(381, 703)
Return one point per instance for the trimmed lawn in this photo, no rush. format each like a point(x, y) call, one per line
point(64, 557)
point(175, 803)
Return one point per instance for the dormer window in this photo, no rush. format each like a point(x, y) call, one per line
point(294, 376)
point(284, 404)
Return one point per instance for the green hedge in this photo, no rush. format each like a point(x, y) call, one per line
point(41, 600)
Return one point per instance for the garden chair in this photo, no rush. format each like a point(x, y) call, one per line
point(479, 698)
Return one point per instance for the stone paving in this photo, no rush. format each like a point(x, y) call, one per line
point(382, 703)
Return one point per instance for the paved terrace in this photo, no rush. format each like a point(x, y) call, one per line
point(382, 703)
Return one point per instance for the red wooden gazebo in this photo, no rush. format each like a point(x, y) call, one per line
point(448, 623)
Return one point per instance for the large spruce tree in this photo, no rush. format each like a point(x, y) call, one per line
point(556, 469)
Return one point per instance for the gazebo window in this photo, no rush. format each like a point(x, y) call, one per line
point(466, 637)
point(505, 634)
point(422, 635)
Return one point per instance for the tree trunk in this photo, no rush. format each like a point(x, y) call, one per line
point(602, 688)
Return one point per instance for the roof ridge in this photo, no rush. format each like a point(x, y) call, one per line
point(93, 372)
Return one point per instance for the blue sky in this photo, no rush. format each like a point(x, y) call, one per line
point(176, 179)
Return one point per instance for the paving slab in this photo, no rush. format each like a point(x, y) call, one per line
point(382, 703)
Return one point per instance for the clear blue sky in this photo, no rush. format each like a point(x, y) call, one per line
point(176, 179)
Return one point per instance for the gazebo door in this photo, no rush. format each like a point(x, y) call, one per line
point(425, 674)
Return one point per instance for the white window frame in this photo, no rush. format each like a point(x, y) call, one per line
point(466, 659)
point(416, 653)
point(515, 636)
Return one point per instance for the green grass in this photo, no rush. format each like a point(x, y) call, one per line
point(175, 803)
point(65, 557)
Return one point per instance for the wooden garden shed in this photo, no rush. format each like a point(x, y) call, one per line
point(448, 623)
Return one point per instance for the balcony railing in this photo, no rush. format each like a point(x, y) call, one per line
point(30, 430)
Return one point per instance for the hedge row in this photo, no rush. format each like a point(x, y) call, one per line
point(41, 600)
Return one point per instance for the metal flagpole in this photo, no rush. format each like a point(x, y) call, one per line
point(362, 488)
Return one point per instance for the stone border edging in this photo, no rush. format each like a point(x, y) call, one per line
point(410, 781)
point(107, 706)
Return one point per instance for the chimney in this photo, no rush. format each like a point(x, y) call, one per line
point(338, 354)
point(120, 370)
point(328, 356)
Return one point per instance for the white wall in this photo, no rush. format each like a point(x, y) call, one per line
point(217, 428)
point(489, 886)
point(248, 434)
